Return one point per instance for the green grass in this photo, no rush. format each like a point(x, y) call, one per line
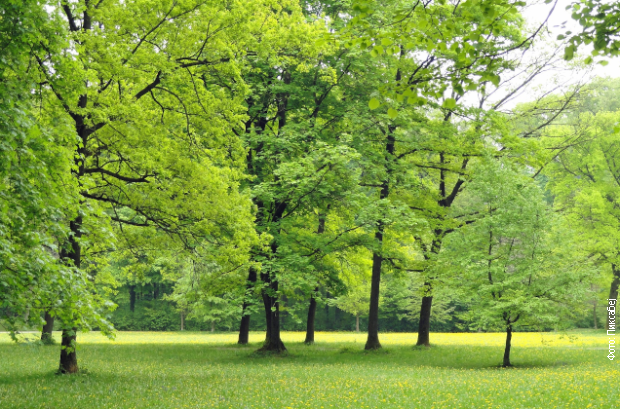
point(202, 370)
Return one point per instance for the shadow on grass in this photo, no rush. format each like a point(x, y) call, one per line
point(115, 361)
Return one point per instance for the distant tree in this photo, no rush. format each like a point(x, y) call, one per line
point(355, 301)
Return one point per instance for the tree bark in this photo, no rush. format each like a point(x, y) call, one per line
point(613, 291)
point(310, 323)
point(377, 258)
point(373, 315)
point(357, 322)
point(182, 321)
point(46, 334)
point(273, 342)
point(68, 355)
point(132, 298)
point(212, 326)
point(424, 327)
point(506, 362)
point(244, 327)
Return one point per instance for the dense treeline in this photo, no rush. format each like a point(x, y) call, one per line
point(300, 165)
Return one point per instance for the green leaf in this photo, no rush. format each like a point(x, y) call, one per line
point(376, 51)
point(392, 113)
point(449, 103)
point(569, 52)
point(374, 103)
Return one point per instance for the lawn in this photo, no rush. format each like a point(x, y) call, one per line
point(203, 370)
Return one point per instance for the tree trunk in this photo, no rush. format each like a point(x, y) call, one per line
point(182, 321)
point(68, 355)
point(377, 257)
point(357, 322)
point(373, 315)
point(244, 328)
point(212, 326)
point(613, 291)
point(506, 363)
point(273, 342)
point(424, 326)
point(132, 298)
point(312, 308)
point(310, 323)
point(46, 334)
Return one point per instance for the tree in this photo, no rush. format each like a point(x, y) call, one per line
point(584, 179)
point(296, 159)
point(355, 302)
point(436, 51)
point(35, 191)
point(515, 264)
point(139, 146)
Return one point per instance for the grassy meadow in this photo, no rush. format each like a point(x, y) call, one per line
point(203, 370)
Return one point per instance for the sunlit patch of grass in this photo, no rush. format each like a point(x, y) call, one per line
point(203, 370)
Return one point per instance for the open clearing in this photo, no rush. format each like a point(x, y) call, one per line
point(203, 370)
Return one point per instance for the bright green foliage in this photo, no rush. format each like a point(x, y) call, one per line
point(457, 47)
point(515, 264)
point(600, 22)
point(355, 301)
point(35, 189)
point(585, 182)
point(321, 144)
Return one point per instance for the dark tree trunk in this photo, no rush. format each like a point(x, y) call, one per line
point(46, 334)
point(377, 257)
point(273, 342)
point(373, 315)
point(312, 308)
point(357, 322)
point(506, 363)
point(424, 327)
point(244, 328)
point(182, 321)
point(613, 291)
point(68, 356)
point(311, 314)
point(132, 298)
